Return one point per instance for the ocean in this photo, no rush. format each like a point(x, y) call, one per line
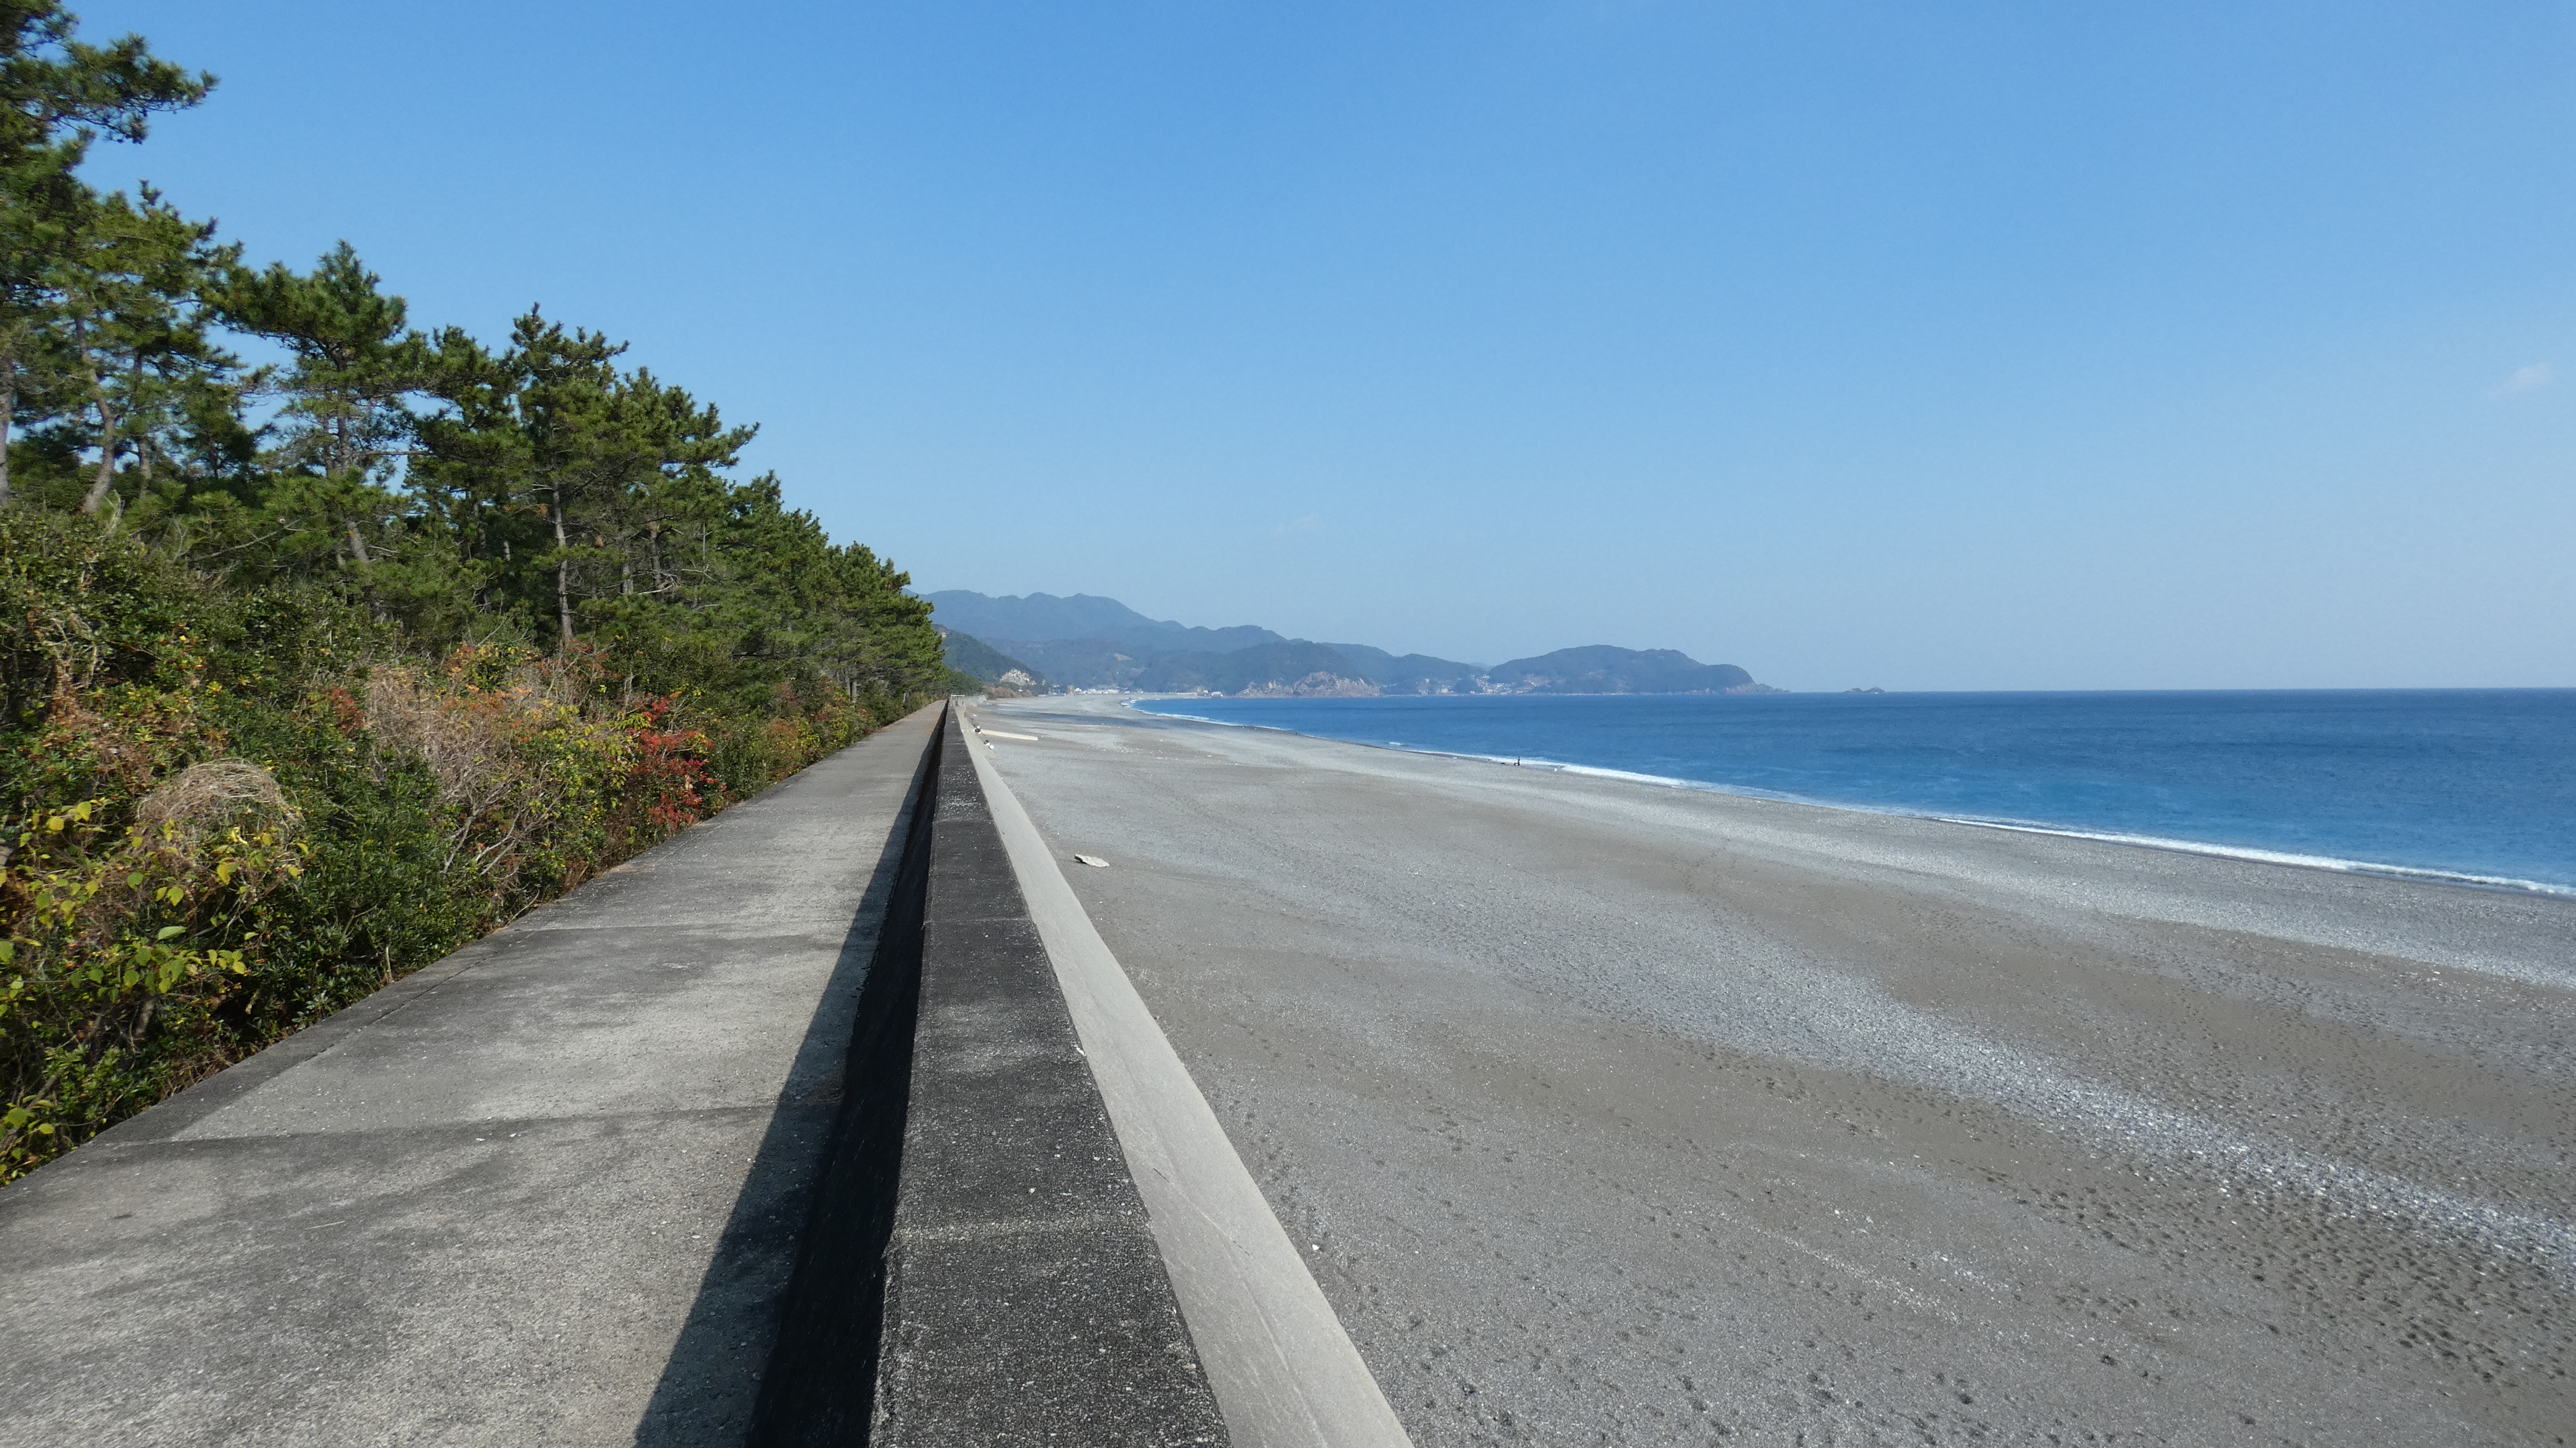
point(2471, 786)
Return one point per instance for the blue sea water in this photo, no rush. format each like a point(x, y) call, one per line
point(2474, 785)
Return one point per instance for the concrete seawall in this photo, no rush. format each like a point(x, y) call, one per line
point(980, 1269)
point(779, 1134)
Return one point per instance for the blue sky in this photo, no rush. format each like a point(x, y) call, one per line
point(1957, 346)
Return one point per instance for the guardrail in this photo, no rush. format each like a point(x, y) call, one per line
point(978, 1268)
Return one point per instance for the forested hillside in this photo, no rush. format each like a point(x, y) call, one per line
point(988, 667)
point(312, 670)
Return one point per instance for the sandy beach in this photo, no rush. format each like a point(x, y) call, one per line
point(1613, 1113)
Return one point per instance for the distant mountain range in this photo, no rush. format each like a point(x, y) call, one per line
point(1089, 642)
point(1083, 616)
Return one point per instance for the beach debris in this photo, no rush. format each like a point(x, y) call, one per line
point(1094, 861)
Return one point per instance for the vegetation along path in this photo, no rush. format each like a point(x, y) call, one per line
point(312, 671)
point(542, 1192)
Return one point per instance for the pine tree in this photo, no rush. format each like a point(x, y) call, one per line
point(346, 424)
point(58, 95)
point(582, 464)
point(129, 335)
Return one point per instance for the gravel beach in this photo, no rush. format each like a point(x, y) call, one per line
point(1615, 1113)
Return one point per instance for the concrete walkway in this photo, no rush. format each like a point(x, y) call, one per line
point(545, 1191)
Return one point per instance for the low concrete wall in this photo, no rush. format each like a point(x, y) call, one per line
point(780, 1134)
point(548, 1190)
point(979, 1269)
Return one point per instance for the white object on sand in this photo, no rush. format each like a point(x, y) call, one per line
point(1094, 861)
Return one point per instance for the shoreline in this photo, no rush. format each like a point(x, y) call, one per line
point(2211, 849)
point(1575, 1088)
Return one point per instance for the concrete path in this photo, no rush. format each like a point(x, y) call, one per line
point(545, 1191)
point(1619, 1114)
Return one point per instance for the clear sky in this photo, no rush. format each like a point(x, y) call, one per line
point(1930, 346)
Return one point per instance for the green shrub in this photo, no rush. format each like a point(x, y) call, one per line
point(235, 811)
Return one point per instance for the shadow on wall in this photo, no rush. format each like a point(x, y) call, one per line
point(780, 1345)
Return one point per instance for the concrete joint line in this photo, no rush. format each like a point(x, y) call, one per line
point(1284, 1372)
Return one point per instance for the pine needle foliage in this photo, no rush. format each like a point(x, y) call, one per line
point(311, 672)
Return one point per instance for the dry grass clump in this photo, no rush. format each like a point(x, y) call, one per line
point(466, 748)
point(516, 765)
point(182, 808)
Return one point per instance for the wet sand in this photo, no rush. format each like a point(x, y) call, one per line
point(1621, 1114)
